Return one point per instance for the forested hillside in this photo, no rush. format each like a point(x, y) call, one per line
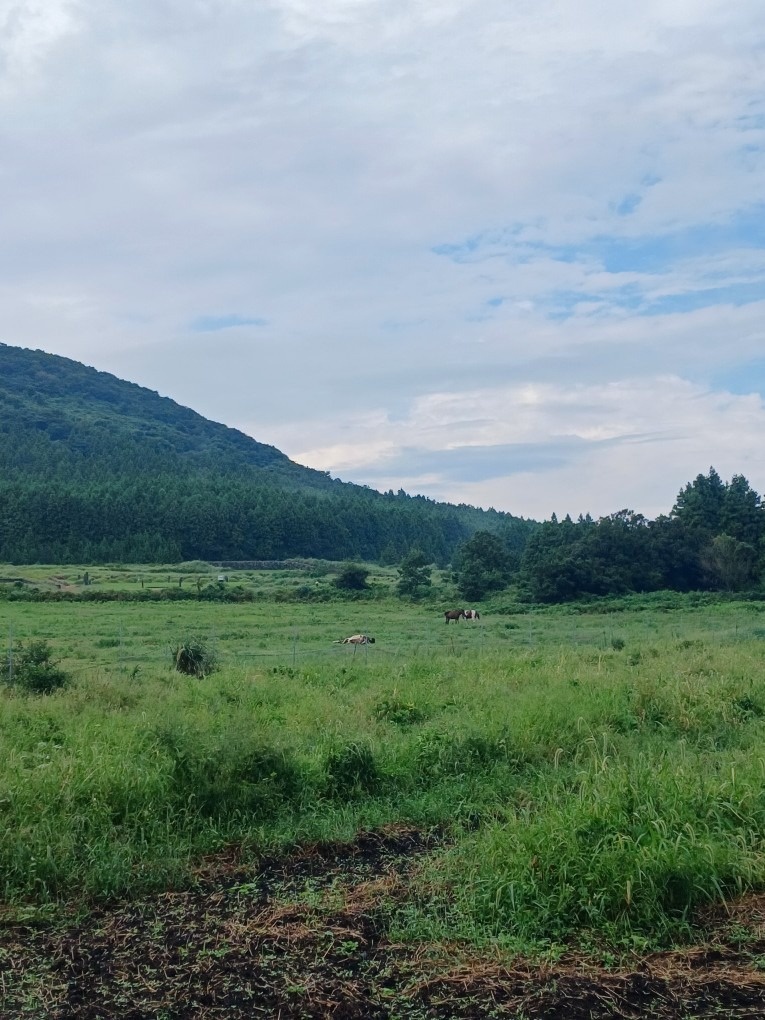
point(94, 469)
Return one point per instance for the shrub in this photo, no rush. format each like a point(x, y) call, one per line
point(352, 578)
point(194, 658)
point(35, 670)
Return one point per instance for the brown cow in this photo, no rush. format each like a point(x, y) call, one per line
point(454, 614)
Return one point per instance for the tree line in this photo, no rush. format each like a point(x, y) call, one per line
point(713, 539)
point(171, 518)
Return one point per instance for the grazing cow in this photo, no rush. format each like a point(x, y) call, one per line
point(454, 614)
point(358, 639)
point(472, 614)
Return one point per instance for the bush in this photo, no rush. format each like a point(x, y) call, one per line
point(194, 658)
point(34, 669)
point(193, 567)
point(352, 578)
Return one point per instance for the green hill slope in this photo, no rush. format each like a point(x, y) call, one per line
point(62, 417)
point(93, 468)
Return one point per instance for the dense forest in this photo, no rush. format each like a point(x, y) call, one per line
point(94, 469)
point(713, 539)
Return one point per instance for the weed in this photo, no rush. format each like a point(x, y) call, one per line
point(748, 708)
point(194, 657)
point(351, 769)
point(222, 774)
point(395, 710)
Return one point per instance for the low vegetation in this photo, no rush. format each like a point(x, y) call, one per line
point(33, 670)
point(594, 775)
point(194, 657)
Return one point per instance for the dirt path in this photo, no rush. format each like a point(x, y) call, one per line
point(305, 937)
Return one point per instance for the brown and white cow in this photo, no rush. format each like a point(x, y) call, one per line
point(358, 639)
point(472, 614)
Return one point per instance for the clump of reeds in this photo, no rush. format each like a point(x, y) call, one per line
point(194, 657)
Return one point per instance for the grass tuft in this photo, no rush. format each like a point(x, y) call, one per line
point(194, 657)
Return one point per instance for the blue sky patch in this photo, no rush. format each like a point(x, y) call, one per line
point(561, 305)
point(645, 254)
point(628, 205)
point(742, 379)
point(213, 323)
point(654, 254)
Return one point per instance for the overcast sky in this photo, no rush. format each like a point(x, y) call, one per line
point(503, 252)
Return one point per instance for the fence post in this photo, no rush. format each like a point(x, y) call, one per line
point(10, 654)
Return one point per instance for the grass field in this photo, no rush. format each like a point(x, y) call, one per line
point(587, 778)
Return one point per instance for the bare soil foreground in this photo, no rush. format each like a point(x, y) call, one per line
point(308, 936)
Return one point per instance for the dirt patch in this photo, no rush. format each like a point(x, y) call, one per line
point(61, 584)
point(305, 936)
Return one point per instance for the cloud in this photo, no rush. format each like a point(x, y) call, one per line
point(434, 210)
point(549, 447)
point(30, 31)
point(467, 464)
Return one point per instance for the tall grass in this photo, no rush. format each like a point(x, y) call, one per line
point(622, 845)
point(585, 784)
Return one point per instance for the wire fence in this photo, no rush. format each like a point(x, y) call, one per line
point(126, 649)
point(124, 652)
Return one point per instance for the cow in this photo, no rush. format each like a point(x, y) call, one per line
point(472, 614)
point(454, 614)
point(358, 639)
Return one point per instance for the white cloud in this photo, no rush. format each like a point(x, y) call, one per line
point(29, 33)
point(599, 448)
point(296, 164)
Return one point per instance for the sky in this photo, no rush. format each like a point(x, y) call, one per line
point(502, 252)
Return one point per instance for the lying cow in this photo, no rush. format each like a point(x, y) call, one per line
point(472, 614)
point(454, 614)
point(358, 639)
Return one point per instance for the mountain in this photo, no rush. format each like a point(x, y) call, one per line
point(84, 421)
point(95, 469)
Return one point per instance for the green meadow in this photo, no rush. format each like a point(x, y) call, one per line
point(595, 771)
